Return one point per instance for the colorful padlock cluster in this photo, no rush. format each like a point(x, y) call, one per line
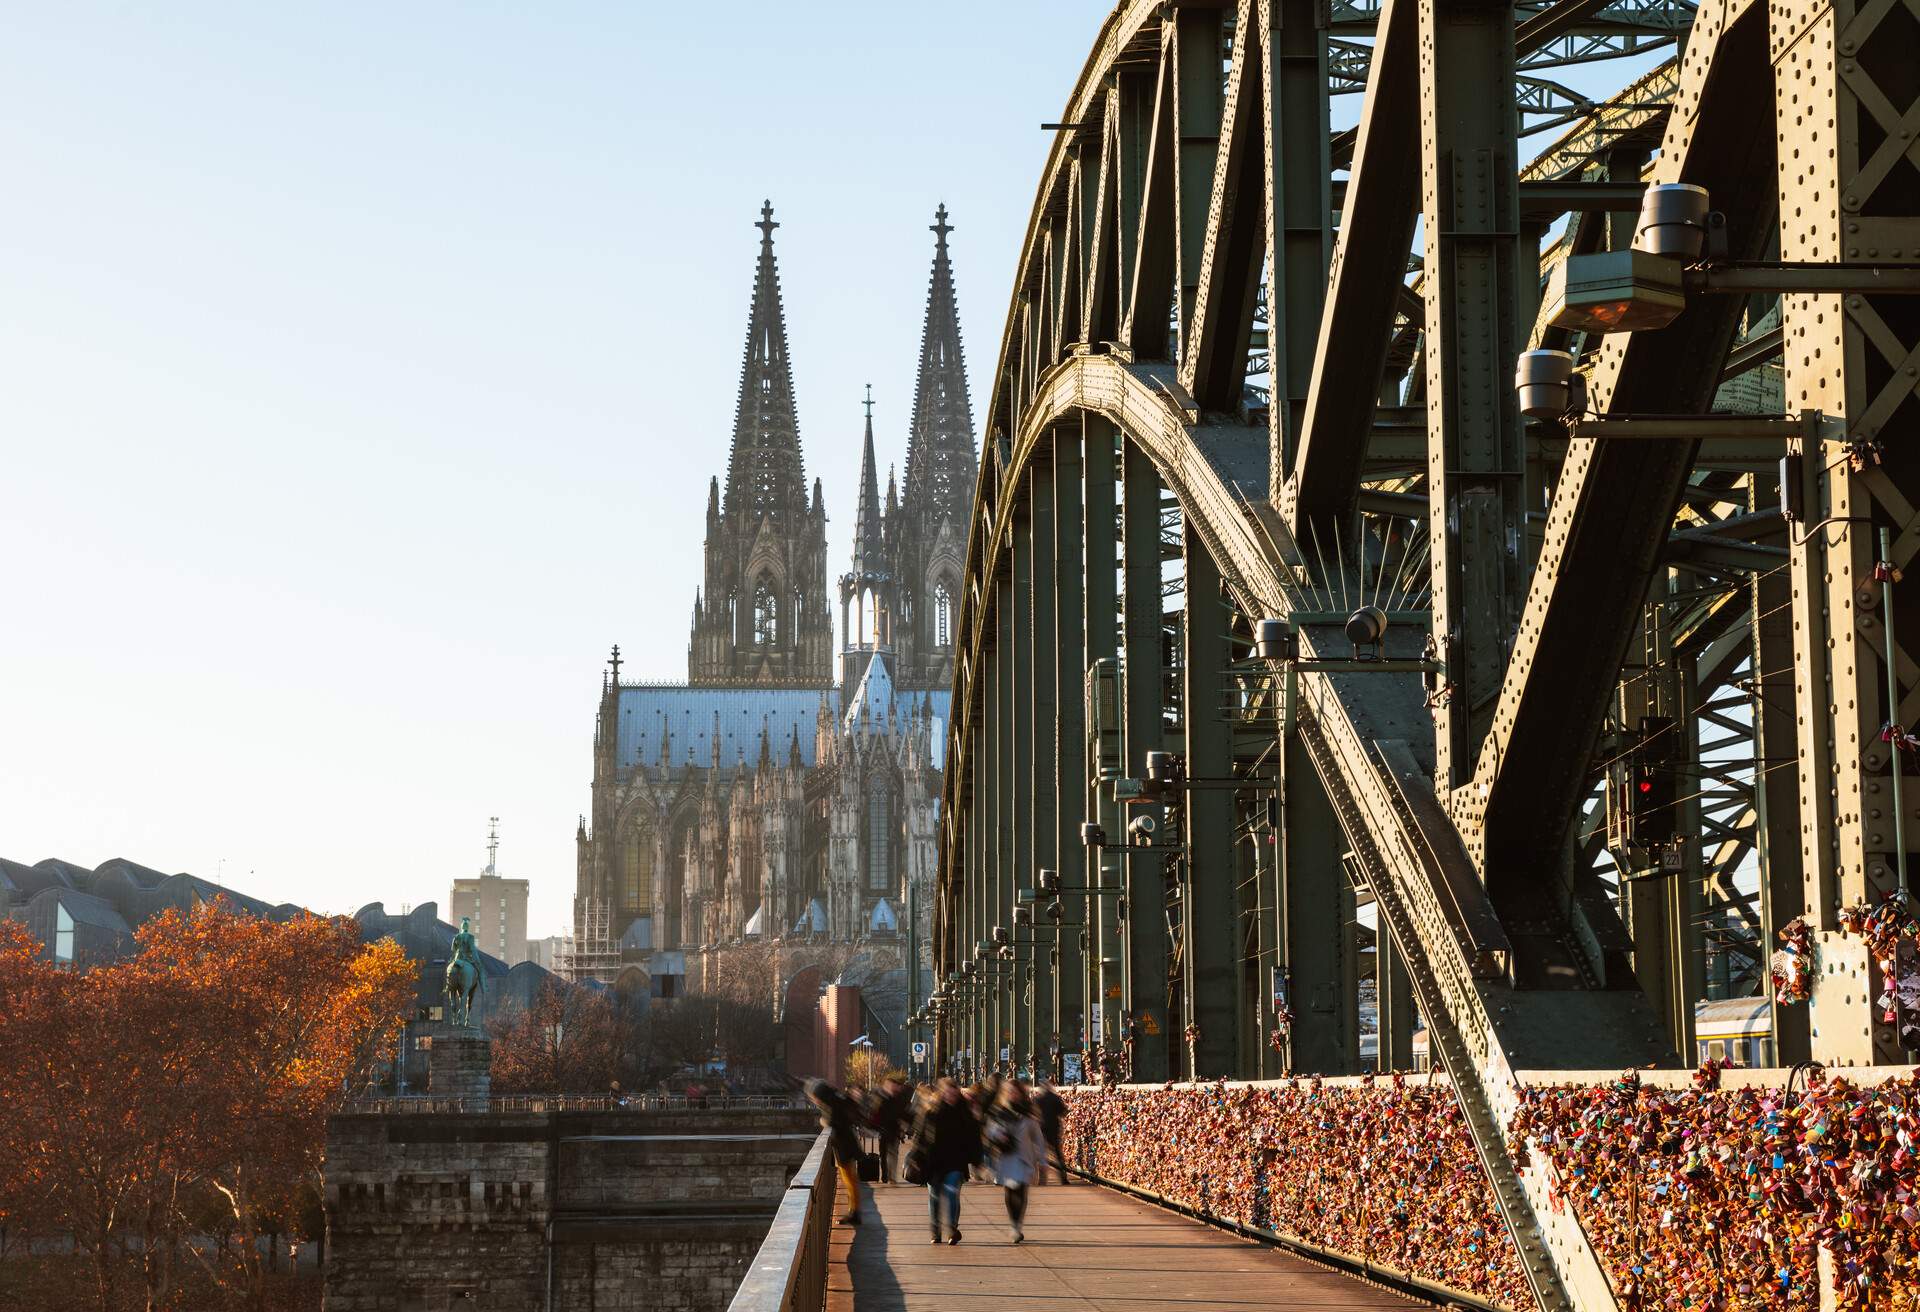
point(1722, 1199)
point(1383, 1171)
point(1697, 1198)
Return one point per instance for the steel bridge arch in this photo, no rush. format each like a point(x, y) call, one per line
point(1182, 230)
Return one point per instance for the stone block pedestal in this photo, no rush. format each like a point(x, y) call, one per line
point(459, 1063)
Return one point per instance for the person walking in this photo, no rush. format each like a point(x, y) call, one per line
point(946, 1141)
point(1053, 1115)
point(838, 1114)
point(1019, 1151)
point(890, 1114)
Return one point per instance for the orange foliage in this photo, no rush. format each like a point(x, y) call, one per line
point(201, 1069)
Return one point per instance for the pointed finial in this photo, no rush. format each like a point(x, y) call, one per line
point(941, 227)
point(615, 662)
point(869, 403)
point(766, 224)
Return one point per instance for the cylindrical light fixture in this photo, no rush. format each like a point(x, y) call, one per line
point(1673, 220)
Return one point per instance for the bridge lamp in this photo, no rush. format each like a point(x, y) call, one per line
point(1047, 882)
point(1274, 640)
point(1163, 772)
point(1367, 627)
point(999, 939)
point(1093, 835)
point(1643, 287)
point(1616, 292)
point(1673, 221)
point(1022, 916)
point(1140, 829)
point(1544, 382)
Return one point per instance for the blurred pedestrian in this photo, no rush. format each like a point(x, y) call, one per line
point(838, 1114)
point(946, 1142)
point(891, 1111)
point(1053, 1115)
point(1019, 1151)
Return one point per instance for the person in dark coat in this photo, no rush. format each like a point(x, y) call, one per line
point(948, 1138)
point(838, 1116)
point(1053, 1114)
point(891, 1111)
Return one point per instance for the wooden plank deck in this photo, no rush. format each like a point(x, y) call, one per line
point(1086, 1248)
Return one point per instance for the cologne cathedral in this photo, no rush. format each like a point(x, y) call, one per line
point(786, 796)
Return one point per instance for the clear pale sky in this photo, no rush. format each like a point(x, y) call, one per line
point(362, 367)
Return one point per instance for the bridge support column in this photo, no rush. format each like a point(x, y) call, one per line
point(1299, 214)
point(1776, 787)
point(1211, 958)
point(1843, 196)
point(1394, 991)
point(1144, 686)
point(1108, 951)
point(1318, 920)
point(999, 973)
point(1042, 751)
point(1019, 873)
point(1475, 466)
point(1067, 587)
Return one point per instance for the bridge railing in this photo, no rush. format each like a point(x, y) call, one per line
point(789, 1273)
point(555, 1102)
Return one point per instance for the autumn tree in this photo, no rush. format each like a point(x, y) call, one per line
point(290, 1021)
point(204, 1066)
point(570, 1039)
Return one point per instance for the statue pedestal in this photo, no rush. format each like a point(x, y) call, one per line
point(459, 1063)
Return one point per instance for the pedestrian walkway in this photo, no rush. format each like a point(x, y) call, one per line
point(1087, 1248)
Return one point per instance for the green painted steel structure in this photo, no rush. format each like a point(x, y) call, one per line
point(1231, 392)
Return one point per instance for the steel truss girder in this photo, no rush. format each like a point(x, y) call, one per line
point(1369, 737)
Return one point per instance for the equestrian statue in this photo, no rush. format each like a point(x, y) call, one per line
point(463, 976)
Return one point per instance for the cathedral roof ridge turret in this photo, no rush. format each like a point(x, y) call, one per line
point(869, 547)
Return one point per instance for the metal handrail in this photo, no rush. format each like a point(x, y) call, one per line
point(561, 1102)
point(789, 1273)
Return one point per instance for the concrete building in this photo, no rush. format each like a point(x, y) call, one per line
point(496, 906)
point(546, 952)
point(772, 798)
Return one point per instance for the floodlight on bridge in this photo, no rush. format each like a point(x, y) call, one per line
point(1093, 835)
point(1544, 382)
point(1273, 640)
point(1163, 772)
point(1367, 627)
point(1140, 829)
point(1673, 221)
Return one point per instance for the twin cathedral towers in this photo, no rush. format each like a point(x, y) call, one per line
point(787, 793)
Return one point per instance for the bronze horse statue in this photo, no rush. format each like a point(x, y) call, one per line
point(463, 976)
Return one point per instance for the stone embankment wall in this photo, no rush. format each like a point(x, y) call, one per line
point(1720, 1190)
point(612, 1211)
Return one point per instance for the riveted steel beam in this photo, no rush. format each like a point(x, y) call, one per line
point(1476, 459)
point(1845, 141)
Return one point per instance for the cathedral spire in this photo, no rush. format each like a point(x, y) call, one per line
point(766, 477)
point(868, 547)
point(940, 451)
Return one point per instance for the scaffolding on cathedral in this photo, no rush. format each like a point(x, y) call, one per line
point(590, 953)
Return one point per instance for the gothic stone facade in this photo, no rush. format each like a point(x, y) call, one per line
point(772, 798)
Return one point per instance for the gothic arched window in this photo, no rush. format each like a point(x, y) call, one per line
point(765, 613)
point(942, 616)
point(636, 870)
point(879, 835)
